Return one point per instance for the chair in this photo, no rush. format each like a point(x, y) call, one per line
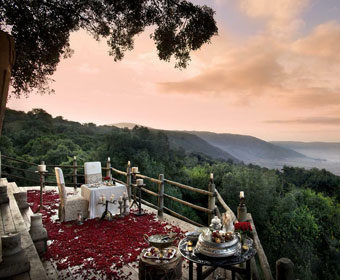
point(93, 172)
point(69, 206)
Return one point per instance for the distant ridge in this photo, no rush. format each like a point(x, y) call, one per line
point(248, 148)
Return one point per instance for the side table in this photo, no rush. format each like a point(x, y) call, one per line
point(226, 263)
point(154, 269)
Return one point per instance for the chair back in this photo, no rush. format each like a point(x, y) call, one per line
point(93, 172)
point(61, 185)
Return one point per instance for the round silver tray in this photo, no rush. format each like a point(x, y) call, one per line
point(218, 250)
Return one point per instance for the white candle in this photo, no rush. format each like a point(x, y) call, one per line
point(129, 164)
point(124, 194)
point(211, 175)
point(242, 194)
point(108, 159)
point(139, 182)
point(134, 169)
point(41, 167)
point(120, 198)
point(103, 198)
point(112, 197)
point(75, 158)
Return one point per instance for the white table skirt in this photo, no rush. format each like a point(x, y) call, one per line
point(93, 194)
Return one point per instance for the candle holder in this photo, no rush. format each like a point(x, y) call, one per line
point(125, 205)
point(121, 209)
point(107, 214)
point(138, 202)
point(80, 218)
point(242, 210)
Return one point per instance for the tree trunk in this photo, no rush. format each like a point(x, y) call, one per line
point(7, 56)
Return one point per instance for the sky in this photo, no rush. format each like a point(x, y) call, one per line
point(272, 72)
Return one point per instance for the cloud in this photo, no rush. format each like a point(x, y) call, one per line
point(323, 42)
point(302, 73)
point(281, 15)
point(311, 120)
point(247, 71)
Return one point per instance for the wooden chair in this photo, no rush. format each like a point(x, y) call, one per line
point(69, 206)
point(93, 172)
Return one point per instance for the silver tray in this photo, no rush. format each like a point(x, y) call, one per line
point(218, 250)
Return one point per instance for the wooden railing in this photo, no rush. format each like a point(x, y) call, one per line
point(161, 182)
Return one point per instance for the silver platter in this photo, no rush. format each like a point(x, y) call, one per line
point(218, 250)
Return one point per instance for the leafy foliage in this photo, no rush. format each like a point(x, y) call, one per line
point(296, 211)
point(41, 30)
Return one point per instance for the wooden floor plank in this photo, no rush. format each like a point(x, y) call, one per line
point(50, 270)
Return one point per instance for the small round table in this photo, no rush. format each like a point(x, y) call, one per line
point(154, 269)
point(225, 263)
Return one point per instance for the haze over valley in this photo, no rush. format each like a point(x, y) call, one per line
point(249, 149)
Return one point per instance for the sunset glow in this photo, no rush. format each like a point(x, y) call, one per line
point(272, 72)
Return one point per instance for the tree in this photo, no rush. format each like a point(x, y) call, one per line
point(41, 30)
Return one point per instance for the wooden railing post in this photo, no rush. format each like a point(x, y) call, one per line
point(108, 167)
point(161, 195)
point(284, 269)
point(211, 199)
point(75, 172)
point(128, 180)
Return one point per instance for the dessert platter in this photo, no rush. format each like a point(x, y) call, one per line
point(218, 244)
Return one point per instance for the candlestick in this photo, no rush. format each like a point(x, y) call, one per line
point(139, 182)
point(121, 215)
point(126, 206)
point(241, 194)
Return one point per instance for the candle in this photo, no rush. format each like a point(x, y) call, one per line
point(75, 158)
point(112, 197)
point(108, 159)
point(241, 194)
point(139, 182)
point(42, 168)
point(134, 169)
point(124, 195)
point(211, 175)
point(120, 198)
point(129, 163)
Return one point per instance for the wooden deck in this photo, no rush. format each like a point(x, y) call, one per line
point(132, 268)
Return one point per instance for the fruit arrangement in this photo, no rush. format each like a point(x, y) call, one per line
point(220, 236)
point(155, 253)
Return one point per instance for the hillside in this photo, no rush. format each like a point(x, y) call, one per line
point(194, 144)
point(247, 148)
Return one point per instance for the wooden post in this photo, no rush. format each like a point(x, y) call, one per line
point(75, 172)
point(284, 269)
point(128, 180)
point(108, 167)
point(160, 196)
point(211, 199)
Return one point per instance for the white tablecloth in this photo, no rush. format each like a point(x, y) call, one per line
point(93, 192)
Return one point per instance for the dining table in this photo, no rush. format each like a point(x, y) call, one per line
point(94, 193)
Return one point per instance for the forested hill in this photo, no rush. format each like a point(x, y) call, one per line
point(296, 211)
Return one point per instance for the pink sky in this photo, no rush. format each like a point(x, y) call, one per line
point(272, 72)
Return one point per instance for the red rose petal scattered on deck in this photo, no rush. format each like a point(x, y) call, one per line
point(99, 248)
